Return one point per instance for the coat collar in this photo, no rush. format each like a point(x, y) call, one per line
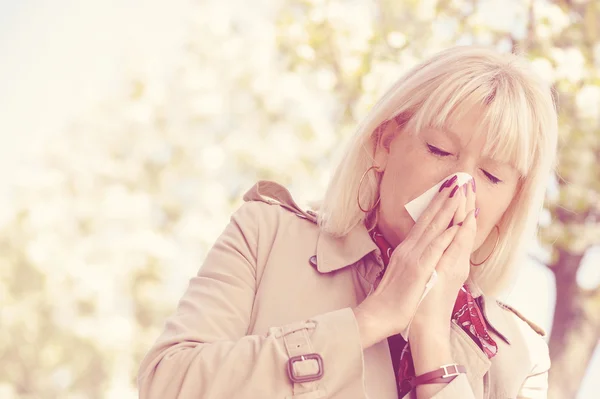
point(496, 318)
point(334, 253)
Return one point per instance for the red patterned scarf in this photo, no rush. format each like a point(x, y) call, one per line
point(466, 313)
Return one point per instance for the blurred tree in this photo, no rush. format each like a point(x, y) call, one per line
point(146, 181)
point(575, 227)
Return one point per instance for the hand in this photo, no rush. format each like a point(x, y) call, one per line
point(435, 311)
point(429, 335)
point(393, 303)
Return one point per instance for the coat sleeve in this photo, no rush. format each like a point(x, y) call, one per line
point(457, 388)
point(204, 351)
point(534, 387)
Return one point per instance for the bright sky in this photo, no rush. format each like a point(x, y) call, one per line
point(59, 57)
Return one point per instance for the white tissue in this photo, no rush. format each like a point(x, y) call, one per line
point(415, 208)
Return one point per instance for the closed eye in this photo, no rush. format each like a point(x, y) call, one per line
point(437, 151)
point(441, 153)
point(491, 177)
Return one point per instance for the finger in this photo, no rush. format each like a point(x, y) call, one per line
point(461, 210)
point(459, 250)
point(469, 204)
point(436, 248)
point(471, 196)
point(432, 209)
point(439, 222)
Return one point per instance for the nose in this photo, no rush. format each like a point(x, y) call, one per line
point(466, 165)
point(469, 167)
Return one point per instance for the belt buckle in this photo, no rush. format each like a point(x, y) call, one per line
point(305, 378)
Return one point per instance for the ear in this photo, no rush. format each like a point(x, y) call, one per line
point(384, 135)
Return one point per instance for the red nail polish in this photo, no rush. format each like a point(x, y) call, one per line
point(476, 212)
point(443, 186)
point(453, 191)
point(448, 183)
point(460, 224)
point(473, 185)
point(465, 188)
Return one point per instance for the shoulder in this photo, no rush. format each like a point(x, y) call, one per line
point(267, 205)
point(262, 221)
point(270, 197)
point(531, 337)
point(520, 318)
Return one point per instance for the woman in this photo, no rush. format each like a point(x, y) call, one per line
point(295, 304)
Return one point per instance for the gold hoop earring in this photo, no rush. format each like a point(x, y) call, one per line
point(493, 249)
point(359, 187)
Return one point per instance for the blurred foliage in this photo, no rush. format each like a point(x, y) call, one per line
point(117, 215)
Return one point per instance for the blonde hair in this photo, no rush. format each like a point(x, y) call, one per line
point(520, 121)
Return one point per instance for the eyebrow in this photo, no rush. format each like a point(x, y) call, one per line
point(455, 136)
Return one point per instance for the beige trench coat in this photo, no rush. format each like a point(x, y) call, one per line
point(274, 287)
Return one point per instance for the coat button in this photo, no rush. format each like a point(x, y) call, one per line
point(313, 260)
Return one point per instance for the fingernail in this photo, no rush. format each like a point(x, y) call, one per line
point(473, 185)
point(476, 212)
point(448, 183)
point(460, 224)
point(464, 186)
point(453, 191)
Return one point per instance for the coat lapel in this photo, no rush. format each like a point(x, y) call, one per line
point(466, 352)
point(496, 318)
point(334, 253)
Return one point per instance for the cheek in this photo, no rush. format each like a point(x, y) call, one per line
point(404, 182)
point(392, 193)
point(399, 187)
point(492, 206)
point(396, 191)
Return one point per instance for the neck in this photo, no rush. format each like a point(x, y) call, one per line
point(394, 235)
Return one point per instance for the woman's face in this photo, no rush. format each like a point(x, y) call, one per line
point(414, 163)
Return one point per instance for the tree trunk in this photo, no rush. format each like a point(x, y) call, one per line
point(575, 329)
